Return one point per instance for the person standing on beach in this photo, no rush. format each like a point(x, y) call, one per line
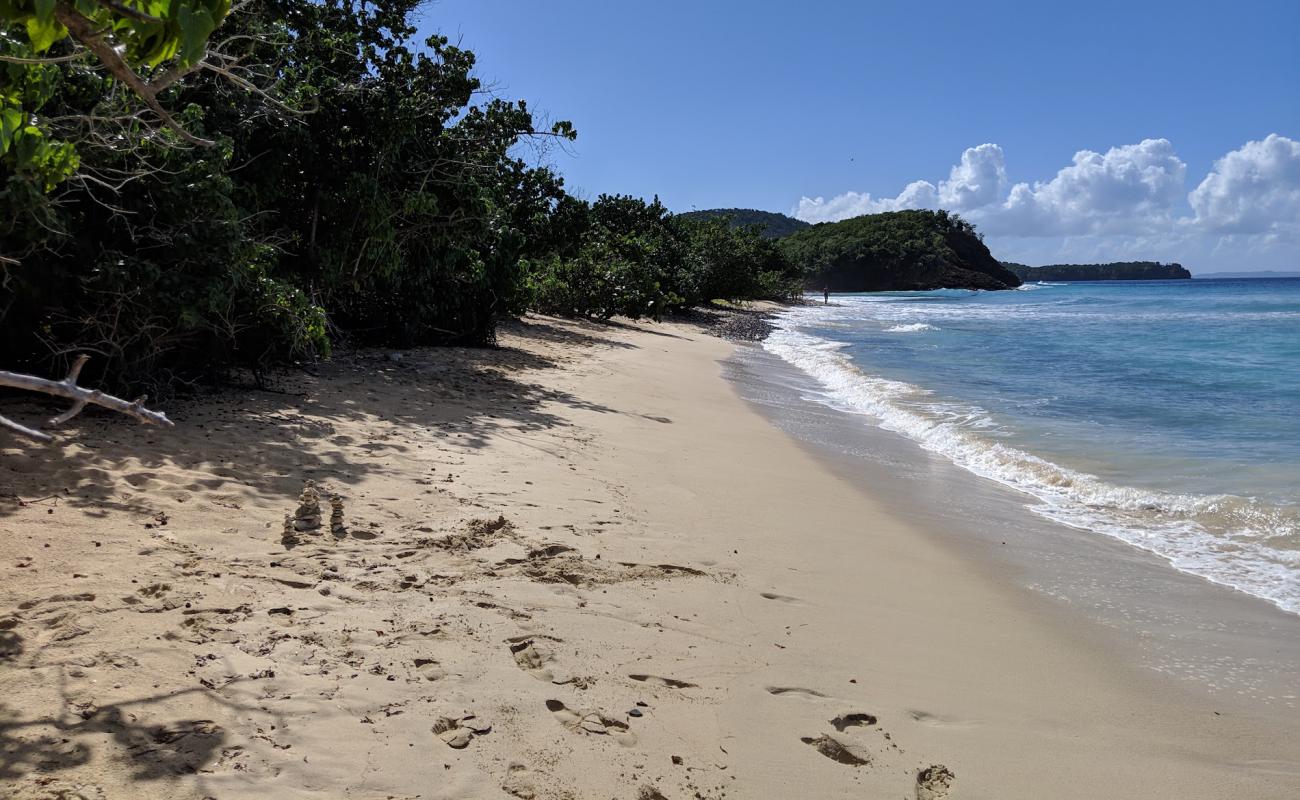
point(826, 295)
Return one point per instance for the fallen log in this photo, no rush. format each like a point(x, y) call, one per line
point(80, 397)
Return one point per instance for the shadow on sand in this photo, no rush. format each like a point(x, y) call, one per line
point(263, 443)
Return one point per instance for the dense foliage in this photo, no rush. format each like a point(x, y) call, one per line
point(360, 186)
point(896, 250)
point(771, 224)
point(38, 35)
point(636, 259)
point(1115, 271)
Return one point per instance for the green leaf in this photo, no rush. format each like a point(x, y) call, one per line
point(45, 10)
point(196, 26)
point(44, 32)
point(11, 119)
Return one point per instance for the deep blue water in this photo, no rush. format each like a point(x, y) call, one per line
point(1165, 413)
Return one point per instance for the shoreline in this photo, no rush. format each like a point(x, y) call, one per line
point(645, 541)
point(1220, 639)
point(1197, 501)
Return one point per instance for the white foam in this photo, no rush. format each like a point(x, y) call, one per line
point(1167, 524)
point(913, 327)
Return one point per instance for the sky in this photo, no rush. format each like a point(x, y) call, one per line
point(1067, 132)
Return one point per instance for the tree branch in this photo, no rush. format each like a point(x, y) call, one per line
point(23, 430)
point(127, 11)
point(50, 60)
point(80, 397)
point(85, 32)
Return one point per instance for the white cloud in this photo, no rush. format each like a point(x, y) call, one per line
point(1129, 189)
point(977, 181)
point(918, 194)
point(1129, 202)
point(1255, 189)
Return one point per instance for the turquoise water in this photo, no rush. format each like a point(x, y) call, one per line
point(1164, 413)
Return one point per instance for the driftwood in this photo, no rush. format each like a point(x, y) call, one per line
point(80, 397)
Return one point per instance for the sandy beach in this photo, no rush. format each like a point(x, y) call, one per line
point(575, 566)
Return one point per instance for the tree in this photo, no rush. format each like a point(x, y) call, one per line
point(362, 189)
point(124, 37)
point(129, 38)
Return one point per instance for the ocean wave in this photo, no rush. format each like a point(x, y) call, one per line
point(911, 328)
point(1223, 538)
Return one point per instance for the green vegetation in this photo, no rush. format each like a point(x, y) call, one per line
point(621, 255)
point(40, 37)
point(898, 251)
point(313, 175)
point(1115, 271)
point(771, 224)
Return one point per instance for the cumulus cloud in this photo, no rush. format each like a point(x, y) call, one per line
point(978, 180)
point(1129, 189)
point(918, 194)
point(1255, 189)
point(1130, 201)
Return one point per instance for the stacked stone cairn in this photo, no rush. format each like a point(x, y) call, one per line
point(336, 516)
point(307, 518)
point(289, 537)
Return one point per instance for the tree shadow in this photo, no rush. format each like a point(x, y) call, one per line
point(573, 332)
point(339, 422)
point(45, 745)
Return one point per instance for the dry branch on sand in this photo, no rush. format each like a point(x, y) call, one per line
point(80, 397)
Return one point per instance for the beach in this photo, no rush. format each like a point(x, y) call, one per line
point(581, 564)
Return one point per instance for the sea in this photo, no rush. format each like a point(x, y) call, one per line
point(1161, 414)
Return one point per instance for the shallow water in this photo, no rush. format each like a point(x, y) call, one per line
point(1163, 414)
point(1235, 646)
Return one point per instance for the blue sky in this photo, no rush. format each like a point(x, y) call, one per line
point(870, 106)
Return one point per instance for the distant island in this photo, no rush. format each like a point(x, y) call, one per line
point(1114, 271)
point(1260, 273)
point(896, 251)
point(772, 224)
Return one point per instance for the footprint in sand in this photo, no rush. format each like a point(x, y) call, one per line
point(591, 722)
point(934, 782)
point(58, 598)
point(836, 750)
point(784, 598)
point(779, 690)
point(854, 720)
point(531, 659)
point(458, 732)
point(937, 720)
point(518, 782)
point(429, 669)
point(671, 683)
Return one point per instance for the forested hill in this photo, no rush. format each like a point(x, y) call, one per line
point(774, 225)
point(1115, 271)
point(896, 251)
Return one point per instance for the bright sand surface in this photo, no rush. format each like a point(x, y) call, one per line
point(634, 583)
